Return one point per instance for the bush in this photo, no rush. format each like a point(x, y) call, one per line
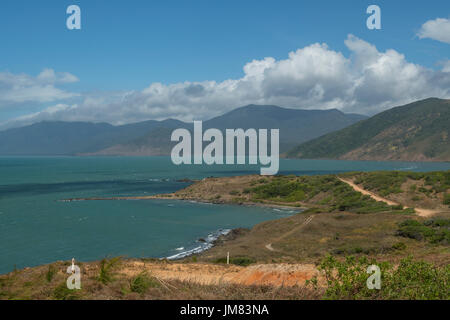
point(410, 280)
point(239, 261)
point(399, 246)
point(106, 266)
point(61, 292)
point(447, 199)
point(50, 273)
point(142, 282)
point(339, 195)
point(434, 231)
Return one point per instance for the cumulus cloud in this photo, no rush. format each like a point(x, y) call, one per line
point(438, 29)
point(314, 77)
point(446, 66)
point(21, 88)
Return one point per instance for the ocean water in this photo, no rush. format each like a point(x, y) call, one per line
point(36, 228)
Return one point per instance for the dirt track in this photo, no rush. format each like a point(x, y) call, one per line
point(420, 211)
point(306, 222)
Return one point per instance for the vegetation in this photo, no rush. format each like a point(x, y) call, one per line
point(61, 292)
point(50, 273)
point(105, 274)
point(327, 191)
point(239, 261)
point(30, 283)
point(333, 227)
point(411, 279)
point(434, 231)
point(447, 199)
point(388, 182)
point(142, 282)
point(341, 278)
point(415, 131)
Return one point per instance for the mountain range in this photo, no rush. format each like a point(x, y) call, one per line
point(417, 131)
point(153, 137)
point(414, 132)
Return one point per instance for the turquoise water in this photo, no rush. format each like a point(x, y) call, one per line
point(35, 228)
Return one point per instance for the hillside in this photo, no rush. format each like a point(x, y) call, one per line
point(414, 132)
point(68, 138)
point(295, 126)
point(341, 230)
point(153, 137)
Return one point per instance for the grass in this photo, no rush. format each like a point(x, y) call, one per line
point(390, 182)
point(61, 292)
point(344, 278)
point(31, 283)
point(327, 191)
point(50, 273)
point(344, 223)
point(142, 282)
point(411, 279)
point(239, 261)
point(106, 269)
point(433, 231)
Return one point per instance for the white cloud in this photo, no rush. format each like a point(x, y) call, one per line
point(313, 77)
point(438, 29)
point(446, 66)
point(22, 88)
point(50, 76)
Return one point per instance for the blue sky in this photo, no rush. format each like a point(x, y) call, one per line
point(126, 46)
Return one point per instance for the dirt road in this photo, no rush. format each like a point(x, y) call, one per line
point(304, 223)
point(420, 211)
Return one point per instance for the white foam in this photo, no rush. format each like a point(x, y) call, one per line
point(208, 244)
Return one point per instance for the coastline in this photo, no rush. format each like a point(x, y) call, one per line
point(173, 196)
point(214, 237)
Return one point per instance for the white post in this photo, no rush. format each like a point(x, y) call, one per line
point(228, 257)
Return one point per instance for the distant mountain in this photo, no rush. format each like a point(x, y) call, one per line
point(415, 132)
point(155, 143)
point(295, 126)
point(153, 137)
point(69, 138)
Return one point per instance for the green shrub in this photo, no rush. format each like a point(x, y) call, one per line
point(61, 292)
point(434, 231)
point(239, 261)
point(399, 246)
point(410, 280)
point(50, 273)
point(447, 198)
point(142, 282)
point(340, 196)
point(105, 274)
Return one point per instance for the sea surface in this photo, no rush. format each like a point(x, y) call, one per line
point(36, 228)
